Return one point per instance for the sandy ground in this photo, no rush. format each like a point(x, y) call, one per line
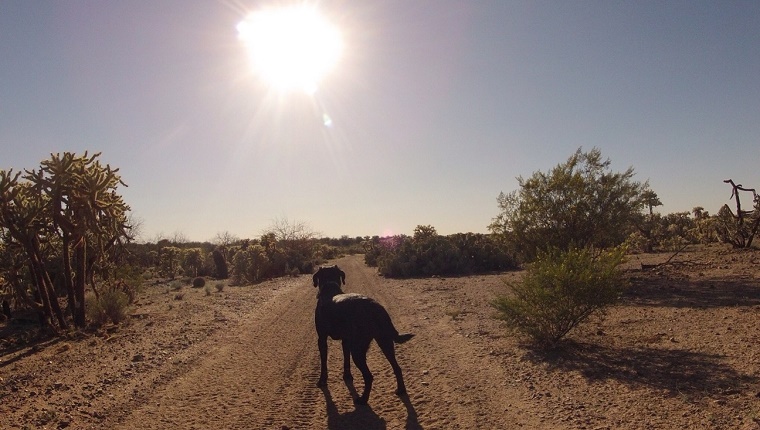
point(681, 351)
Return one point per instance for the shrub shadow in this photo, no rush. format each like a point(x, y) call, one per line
point(26, 336)
point(677, 372)
point(652, 290)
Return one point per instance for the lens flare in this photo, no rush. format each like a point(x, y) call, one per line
point(326, 120)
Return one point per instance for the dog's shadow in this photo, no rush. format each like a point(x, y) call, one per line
point(363, 417)
point(412, 422)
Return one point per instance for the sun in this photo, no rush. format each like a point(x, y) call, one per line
point(291, 48)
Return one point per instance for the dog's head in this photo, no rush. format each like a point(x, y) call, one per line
point(327, 274)
point(328, 290)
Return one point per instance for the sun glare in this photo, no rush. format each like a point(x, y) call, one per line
point(291, 48)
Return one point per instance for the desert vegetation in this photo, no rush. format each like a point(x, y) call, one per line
point(560, 290)
point(66, 234)
point(558, 254)
point(427, 253)
point(62, 226)
point(572, 227)
point(579, 203)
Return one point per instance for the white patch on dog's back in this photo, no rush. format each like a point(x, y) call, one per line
point(347, 296)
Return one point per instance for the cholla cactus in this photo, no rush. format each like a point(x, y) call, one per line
point(71, 206)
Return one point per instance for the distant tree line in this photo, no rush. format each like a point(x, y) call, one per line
point(427, 253)
point(285, 248)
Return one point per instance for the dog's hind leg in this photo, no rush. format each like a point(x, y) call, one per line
point(359, 354)
point(322, 343)
point(389, 351)
point(347, 363)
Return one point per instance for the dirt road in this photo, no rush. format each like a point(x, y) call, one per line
point(680, 351)
point(262, 374)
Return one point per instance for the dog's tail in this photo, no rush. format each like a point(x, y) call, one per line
point(401, 338)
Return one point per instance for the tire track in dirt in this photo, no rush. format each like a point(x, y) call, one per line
point(258, 375)
point(452, 384)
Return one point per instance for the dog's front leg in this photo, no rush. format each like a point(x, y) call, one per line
point(347, 362)
point(322, 343)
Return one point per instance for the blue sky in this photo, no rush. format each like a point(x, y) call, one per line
point(436, 107)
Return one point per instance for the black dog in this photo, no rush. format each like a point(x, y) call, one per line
point(324, 275)
point(356, 320)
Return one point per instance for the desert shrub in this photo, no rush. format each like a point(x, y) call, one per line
point(704, 226)
point(673, 231)
point(252, 264)
point(330, 248)
point(560, 290)
point(259, 264)
point(578, 203)
point(169, 260)
point(219, 286)
point(276, 263)
point(239, 267)
point(207, 289)
point(148, 274)
point(191, 261)
point(253, 261)
point(93, 310)
point(115, 304)
point(370, 255)
point(176, 285)
point(110, 305)
point(323, 252)
point(129, 279)
point(377, 247)
point(427, 254)
point(199, 282)
point(220, 264)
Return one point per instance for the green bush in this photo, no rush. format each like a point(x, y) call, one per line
point(128, 279)
point(199, 282)
point(581, 202)
point(560, 290)
point(429, 254)
point(111, 305)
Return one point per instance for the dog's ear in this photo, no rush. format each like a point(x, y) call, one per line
point(342, 276)
point(315, 278)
